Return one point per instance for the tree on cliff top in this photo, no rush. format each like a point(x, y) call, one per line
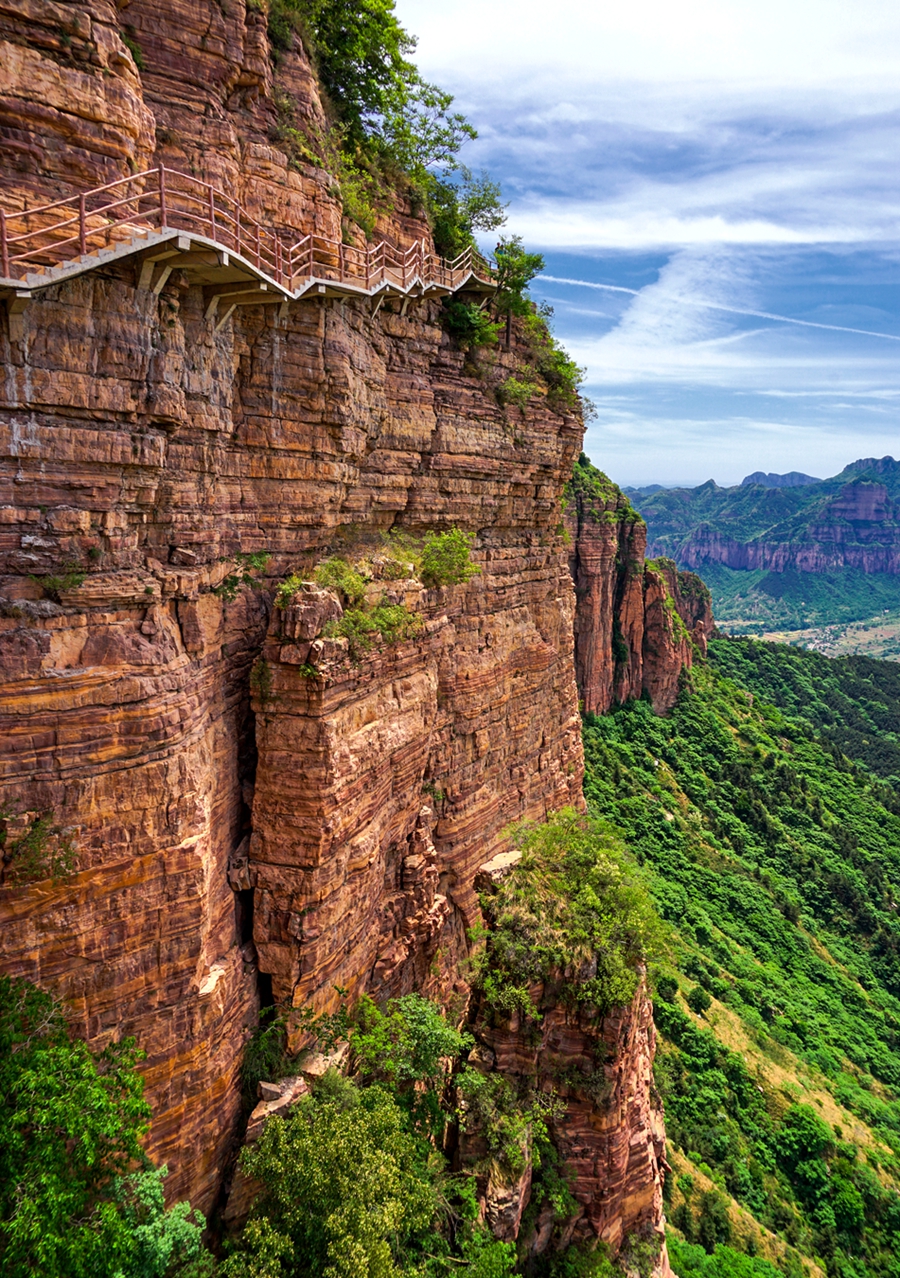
point(78, 1197)
point(387, 116)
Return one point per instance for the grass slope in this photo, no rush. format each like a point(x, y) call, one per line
point(774, 860)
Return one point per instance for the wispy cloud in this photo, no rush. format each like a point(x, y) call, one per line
point(732, 310)
point(724, 175)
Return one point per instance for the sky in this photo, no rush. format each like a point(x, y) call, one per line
point(715, 188)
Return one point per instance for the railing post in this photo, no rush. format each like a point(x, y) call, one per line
point(4, 246)
point(212, 214)
point(82, 230)
point(258, 267)
point(237, 228)
point(163, 213)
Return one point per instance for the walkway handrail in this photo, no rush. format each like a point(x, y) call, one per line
point(167, 199)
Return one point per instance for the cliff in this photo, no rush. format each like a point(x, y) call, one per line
point(849, 522)
point(146, 448)
point(637, 622)
point(324, 829)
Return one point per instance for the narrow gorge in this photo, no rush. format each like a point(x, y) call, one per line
point(263, 810)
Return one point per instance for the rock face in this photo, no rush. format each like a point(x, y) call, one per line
point(637, 623)
point(142, 447)
point(609, 1130)
point(382, 783)
point(327, 834)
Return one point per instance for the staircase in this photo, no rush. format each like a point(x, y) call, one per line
point(168, 220)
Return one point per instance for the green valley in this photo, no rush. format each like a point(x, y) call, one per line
point(773, 857)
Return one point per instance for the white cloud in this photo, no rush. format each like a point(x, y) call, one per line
point(719, 41)
point(745, 150)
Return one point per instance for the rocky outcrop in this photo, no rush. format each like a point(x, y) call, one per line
point(637, 623)
point(383, 782)
point(593, 1076)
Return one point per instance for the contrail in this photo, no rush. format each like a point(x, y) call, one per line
point(732, 310)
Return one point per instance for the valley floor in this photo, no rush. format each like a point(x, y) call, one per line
point(877, 636)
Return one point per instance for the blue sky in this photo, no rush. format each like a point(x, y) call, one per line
point(698, 173)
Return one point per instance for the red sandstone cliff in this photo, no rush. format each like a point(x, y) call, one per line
point(637, 622)
point(143, 444)
point(330, 833)
point(857, 527)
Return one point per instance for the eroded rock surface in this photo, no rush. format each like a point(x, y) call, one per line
point(637, 622)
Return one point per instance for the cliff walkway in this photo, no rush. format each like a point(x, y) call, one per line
point(170, 220)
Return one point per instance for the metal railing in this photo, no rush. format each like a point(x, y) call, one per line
point(166, 199)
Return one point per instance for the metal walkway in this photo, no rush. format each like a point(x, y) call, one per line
point(170, 220)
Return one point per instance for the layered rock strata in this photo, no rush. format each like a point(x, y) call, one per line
point(637, 622)
point(858, 528)
point(606, 1123)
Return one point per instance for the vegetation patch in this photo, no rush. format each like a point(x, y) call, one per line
point(771, 856)
point(32, 848)
point(573, 912)
point(364, 628)
point(78, 1196)
point(245, 570)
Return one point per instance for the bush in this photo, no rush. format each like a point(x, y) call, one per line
point(469, 323)
point(698, 1000)
point(509, 1127)
point(363, 627)
point(246, 567)
point(446, 559)
point(70, 1130)
point(517, 391)
point(337, 574)
point(573, 905)
point(406, 1047)
point(666, 988)
point(265, 1055)
point(41, 851)
point(69, 577)
point(285, 593)
point(406, 1044)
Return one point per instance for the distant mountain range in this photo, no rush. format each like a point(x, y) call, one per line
point(825, 549)
point(793, 479)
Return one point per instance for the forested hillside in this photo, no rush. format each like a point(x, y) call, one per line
point(785, 558)
point(773, 859)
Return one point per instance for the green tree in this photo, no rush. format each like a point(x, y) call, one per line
point(445, 558)
point(515, 270)
point(72, 1204)
point(345, 1189)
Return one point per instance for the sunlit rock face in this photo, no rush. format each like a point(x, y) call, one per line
point(638, 623)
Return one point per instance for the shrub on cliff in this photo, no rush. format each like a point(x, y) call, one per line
point(469, 324)
point(337, 574)
point(38, 849)
point(363, 627)
point(351, 1188)
point(574, 910)
point(78, 1197)
point(446, 558)
point(390, 127)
